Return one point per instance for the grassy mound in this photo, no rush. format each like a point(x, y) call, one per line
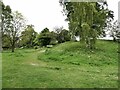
point(73, 53)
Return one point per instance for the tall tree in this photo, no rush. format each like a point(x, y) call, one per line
point(16, 25)
point(86, 19)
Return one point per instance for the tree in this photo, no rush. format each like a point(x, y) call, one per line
point(86, 15)
point(27, 37)
point(63, 35)
point(6, 18)
point(89, 35)
point(44, 38)
point(17, 23)
point(12, 24)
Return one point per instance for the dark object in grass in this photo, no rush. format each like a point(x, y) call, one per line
point(71, 54)
point(75, 63)
point(57, 68)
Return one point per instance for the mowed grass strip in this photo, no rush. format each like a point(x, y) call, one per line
point(66, 65)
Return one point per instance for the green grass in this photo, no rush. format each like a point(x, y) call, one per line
point(65, 65)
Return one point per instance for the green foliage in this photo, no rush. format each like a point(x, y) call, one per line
point(12, 24)
point(28, 36)
point(53, 38)
point(6, 41)
point(45, 30)
point(94, 14)
point(89, 36)
point(44, 38)
point(62, 35)
point(6, 23)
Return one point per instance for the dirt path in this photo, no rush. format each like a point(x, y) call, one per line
point(32, 59)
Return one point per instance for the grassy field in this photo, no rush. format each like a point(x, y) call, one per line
point(65, 65)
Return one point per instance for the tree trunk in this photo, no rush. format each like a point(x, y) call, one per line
point(13, 46)
point(114, 39)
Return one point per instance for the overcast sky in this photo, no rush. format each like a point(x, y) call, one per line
point(47, 13)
